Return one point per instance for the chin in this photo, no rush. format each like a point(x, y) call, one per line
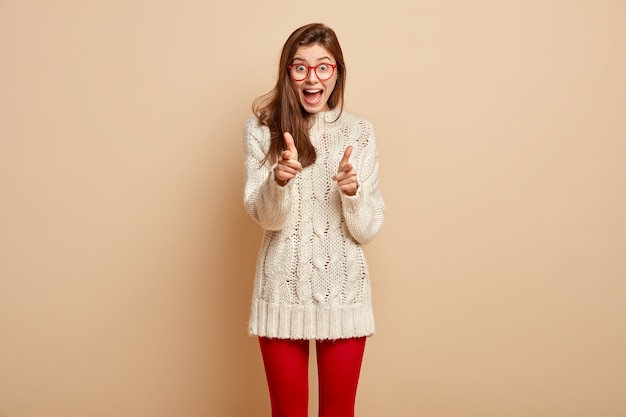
point(312, 110)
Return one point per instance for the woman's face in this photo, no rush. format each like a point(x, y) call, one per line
point(312, 91)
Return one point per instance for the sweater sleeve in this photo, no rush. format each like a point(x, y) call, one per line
point(267, 202)
point(364, 211)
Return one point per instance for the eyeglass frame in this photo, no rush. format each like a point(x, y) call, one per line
point(314, 68)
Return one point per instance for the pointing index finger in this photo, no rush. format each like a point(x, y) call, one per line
point(346, 156)
point(347, 153)
point(289, 141)
point(291, 146)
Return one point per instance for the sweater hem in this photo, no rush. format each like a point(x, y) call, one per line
point(310, 321)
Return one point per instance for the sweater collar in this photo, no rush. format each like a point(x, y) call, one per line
point(324, 117)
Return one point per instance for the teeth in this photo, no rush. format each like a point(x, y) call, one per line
point(312, 91)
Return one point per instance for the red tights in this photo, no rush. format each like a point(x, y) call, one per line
point(286, 367)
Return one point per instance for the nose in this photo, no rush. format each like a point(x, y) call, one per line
point(311, 76)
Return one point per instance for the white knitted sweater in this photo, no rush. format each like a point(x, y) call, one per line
point(312, 281)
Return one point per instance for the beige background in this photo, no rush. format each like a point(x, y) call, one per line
point(126, 257)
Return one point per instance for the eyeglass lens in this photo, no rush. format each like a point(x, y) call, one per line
point(300, 71)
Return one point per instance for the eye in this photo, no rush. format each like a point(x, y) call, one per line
point(299, 68)
point(323, 67)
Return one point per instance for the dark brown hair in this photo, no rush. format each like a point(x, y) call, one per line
point(280, 109)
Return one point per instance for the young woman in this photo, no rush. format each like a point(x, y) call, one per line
point(312, 184)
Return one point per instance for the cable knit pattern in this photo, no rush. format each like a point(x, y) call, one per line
point(312, 280)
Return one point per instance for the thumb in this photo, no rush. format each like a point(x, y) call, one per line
point(291, 146)
point(346, 156)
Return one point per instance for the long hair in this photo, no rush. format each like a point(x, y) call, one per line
point(280, 109)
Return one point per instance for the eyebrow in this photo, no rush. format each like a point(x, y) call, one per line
point(297, 58)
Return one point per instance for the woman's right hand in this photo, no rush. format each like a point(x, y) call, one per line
point(287, 165)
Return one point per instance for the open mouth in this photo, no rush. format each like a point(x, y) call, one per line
point(312, 96)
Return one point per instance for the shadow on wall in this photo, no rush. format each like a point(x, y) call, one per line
point(237, 380)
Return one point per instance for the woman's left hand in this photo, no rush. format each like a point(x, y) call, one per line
point(346, 175)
